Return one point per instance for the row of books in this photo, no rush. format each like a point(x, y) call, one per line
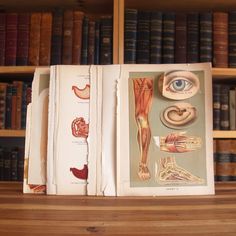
point(225, 159)
point(83, 123)
point(169, 37)
point(14, 98)
point(59, 37)
point(11, 163)
point(224, 104)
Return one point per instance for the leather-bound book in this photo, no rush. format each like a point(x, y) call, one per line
point(2, 38)
point(14, 164)
point(56, 45)
point(19, 97)
point(168, 38)
point(180, 38)
point(106, 35)
point(84, 52)
point(91, 42)
point(233, 159)
point(220, 39)
point(13, 107)
point(7, 164)
point(205, 23)
point(193, 37)
point(1, 163)
point(130, 35)
point(215, 158)
point(156, 37)
point(143, 37)
point(232, 39)
point(34, 41)
point(45, 39)
point(97, 42)
point(23, 106)
point(23, 39)
point(224, 107)
point(3, 91)
point(77, 37)
point(20, 163)
point(216, 106)
point(11, 39)
point(223, 164)
point(8, 106)
point(67, 37)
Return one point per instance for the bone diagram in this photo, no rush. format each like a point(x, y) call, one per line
point(179, 115)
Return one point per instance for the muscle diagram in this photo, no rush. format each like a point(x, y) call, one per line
point(79, 128)
point(82, 93)
point(179, 115)
point(179, 142)
point(143, 93)
point(168, 172)
point(80, 173)
point(178, 85)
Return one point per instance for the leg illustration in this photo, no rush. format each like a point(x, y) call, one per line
point(143, 92)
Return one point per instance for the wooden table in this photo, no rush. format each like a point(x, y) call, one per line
point(77, 215)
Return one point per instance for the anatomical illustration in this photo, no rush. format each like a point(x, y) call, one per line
point(83, 93)
point(179, 115)
point(178, 85)
point(168, 172)
point(80, 128)
point(80, 173)
point(179, 142)
point(143, 94)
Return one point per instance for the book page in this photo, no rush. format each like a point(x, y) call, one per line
point(164, 144)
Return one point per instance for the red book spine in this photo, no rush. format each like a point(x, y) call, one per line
point(2, 38)
point(11, 39)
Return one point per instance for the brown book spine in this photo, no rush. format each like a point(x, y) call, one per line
point(77, 37)
point(45, 39)
point(91, 43)
point(233, 159)
point(11, 39)
point(2, 38)
point(3, 91)
point(67, 37)
point(34, 41)
point(214, 157)
point(180, 38)
point(220, 39)
point(19, 94)
point(23, 39)
point(13, 107)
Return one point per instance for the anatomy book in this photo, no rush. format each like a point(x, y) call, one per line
point(127, 130)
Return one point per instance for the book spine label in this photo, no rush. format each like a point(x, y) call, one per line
point(130, 36)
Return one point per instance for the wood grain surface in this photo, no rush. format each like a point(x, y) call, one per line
point(78, 215)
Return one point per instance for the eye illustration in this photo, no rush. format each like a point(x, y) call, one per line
point(178, 85)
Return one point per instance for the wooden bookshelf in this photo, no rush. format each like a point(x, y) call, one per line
point(224, 134)
point(12, 133)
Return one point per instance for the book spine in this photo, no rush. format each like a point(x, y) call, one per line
point(20, 163)
point(223, 166)
point(56, 45)
point(143, 37)
point(232, 110)
point(216, 106)
point(23, 106)
point(2, 38)
point(220, 39)
point(13, 107)
point(8, 106)
point(97, 42)
point(45, 39)
point(106, 35)
point(19, 95)
point(67, 37)
point(23, 39)
point(168, 38)
point(3, 87)
point(1, 164)
point(205, 37)
point(14, 164)
point(180, 38)
point(11, 39)
point(130, 36)
point(34, 40)
point(7, 165)
point(156, 37)
point(233, 159)
point(232, 39)
point(215, 158)
point(77, 37)
point(193, 37)
point(91, 43)
point(84, 53)
point(224, 107)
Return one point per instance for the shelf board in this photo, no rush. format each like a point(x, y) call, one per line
point(16, 70)
point(12, 133)
point(224, 134)
point(224, 73)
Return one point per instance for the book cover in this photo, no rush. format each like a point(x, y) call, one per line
point(164, 139)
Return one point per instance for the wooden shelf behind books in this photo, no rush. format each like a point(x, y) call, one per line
point(12, 133)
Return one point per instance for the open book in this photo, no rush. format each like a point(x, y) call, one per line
point(122, 130)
